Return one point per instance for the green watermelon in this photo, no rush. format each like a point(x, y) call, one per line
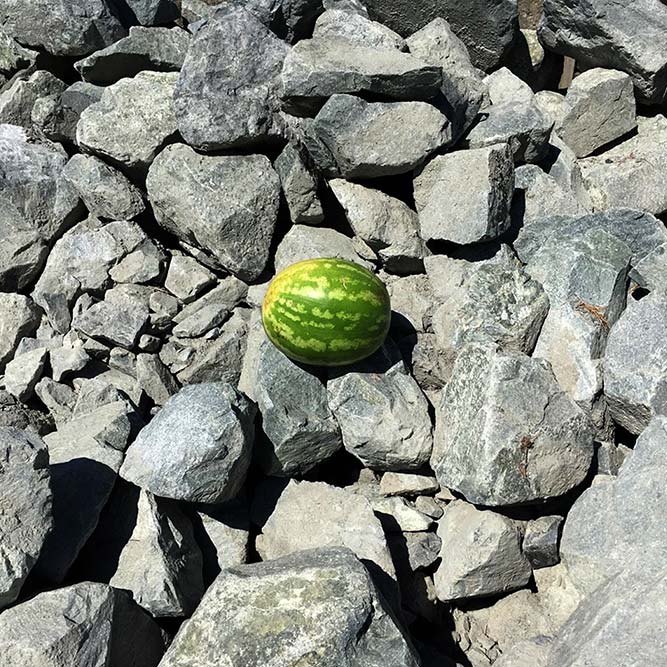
point(326, 312)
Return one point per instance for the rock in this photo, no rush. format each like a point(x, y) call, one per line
point(634, 363)
point(412, 302)
point(227, 99)
point(631, 174)
point(462, 90)
point(423, 549)
point(487, 28)
point(481, 554)
point(187, 278)
point(13, 57)
point(25, 497)
point(396, 515)
point(23, 372)
point(60, 30)
point(104, 190)
point(17, 102)
point(160, 49)
point(429, 506)
point(407, 484)
point(540, 541)
point(299, 186)
point(155, 379)
point(316, 69)
point(338, 618)
point(80, 621)
point(383, 415)
point(150, 12)
point(356, 28)
point(386, 224)
point(465, 196)
point(198, 446)
point(161, 564)
point(226, 206)
point(14, 414)
point(68, 358)
point(59, 399)
point(367, 140)
point(651, 271)
point(527, 653)
point(600, 33)
point(299, 425)
point(19, 317)
point(132, 121)
point(506, 433)
point(601, 109)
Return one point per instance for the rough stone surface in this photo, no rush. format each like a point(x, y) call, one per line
point(540, 541)
point(233, 225)
point(197, 448)
point(23, 372)
point(407, 484)
point(505, 431)
point(358, 29)
point(18, 101)
point(19, 317)
point(300, 187)
point(337, 618)
point(465, 196)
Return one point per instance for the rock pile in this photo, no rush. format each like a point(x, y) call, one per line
point(486, 489)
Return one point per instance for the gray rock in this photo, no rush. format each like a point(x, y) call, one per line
point(368, 140)
point(13, 57)
point(423, 549)
point(226, 99)
point(197, 448)
point(187, 278)
point(600, 109)
point(14, 414)
point(465, 196)
point(317, 68)
point(68, 358)
point(25, 497)
point(386, 224)
point(80, 622)
point(161, 564)
point(160, 49)
point(540, 541)
point(357, 28)
point(226, 206)
point(506, 433)
point(602, 33)
point(552, 104)
point(412, 302)
point(299, 425)
point(150, 12)
point(59, 398)
point(104, 190)
point(338, 618)
point(527, 653)
point(631, 174)
point(481, 554)
point(299, 186)
point(155, 379)
point(19, 317)
point(651, 271)
point(132, 121)
point(17, 101)
point(461, 88)
point(23, 372)
point(334, 516)
point(407, 484)
point(383, 416)
point(62, 29)
point(487, 28)
point(397, 515)
point(429, 506)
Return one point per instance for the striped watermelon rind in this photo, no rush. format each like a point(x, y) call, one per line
point(326, 312)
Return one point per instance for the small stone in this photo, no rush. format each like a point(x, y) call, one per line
point(14, 57)
point(23, 372)
point(25, 497)
point(19, 317)
point(506, 433)
point(187, 278)
point(540, 541)
point(481, 553)
point(17, 101)
point(69, 358)
point(132, 121)
point(423, 549)
point(338, 619)
point(429, 506)
point(226, 205)
point(197, 448)
point(412, 303)
point(397, 136)
point(552, 104)
point(358, 29)
point(396, 515)
point(465, 196)
point(155, 379)
point(59, 398)
point(601, 109)
point(407, 484)
point(160, 49)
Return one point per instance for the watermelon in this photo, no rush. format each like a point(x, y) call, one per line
point(326, 312)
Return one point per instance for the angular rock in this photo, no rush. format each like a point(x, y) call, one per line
point(412, 302)
point(651, 271)
point(14, 414)
point(396, 515)
point(68, 358)
point(23, 372)
point(19, 317)
point(506, 433)
point(423, 549)
point(25, 497)
point(338, 618)
point(187, 278)
point(161, 564)
point(603, 33)
point(17, 102)
point(80, 622)
point(62, 29)
point(631, 174)
point(385, 224)
point(527, 653)
point(104, 190)
point(155, 379)
point(540, 541)
point(197, 448)
point(316, 69)
point(226, 206)
point(13, 57)
point(600, 109)
point(407, 484)
point(383, 416)
point(465, 196)
point(149, 12)
point(367, 140)
point(358, 29)
point(226, 99)
point(481, 554)
point(132, 121)
point(299, 186)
